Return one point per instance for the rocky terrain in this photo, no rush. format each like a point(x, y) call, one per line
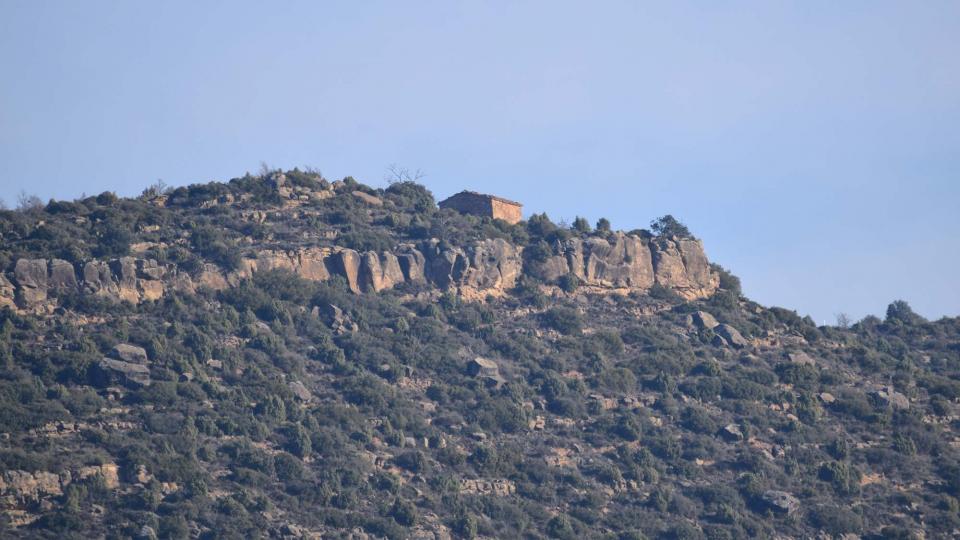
point(282, 356)
point(487, 266)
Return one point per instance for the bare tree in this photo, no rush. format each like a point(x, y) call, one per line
point(27, 202)
point(156, 189)
point(396, 174)
point(843, 320)
point(3, 204)
point(265, 169)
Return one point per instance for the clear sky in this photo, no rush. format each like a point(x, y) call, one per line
point(814, 146)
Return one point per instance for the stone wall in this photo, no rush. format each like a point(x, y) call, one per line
point(508, 212)
point(468, 202)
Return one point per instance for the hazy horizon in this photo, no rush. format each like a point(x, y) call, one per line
point(815, 148)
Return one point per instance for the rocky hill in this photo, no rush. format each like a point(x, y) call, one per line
point(284, 356)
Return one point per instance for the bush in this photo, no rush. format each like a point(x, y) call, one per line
point(567, 321)
point(568, 283)
point(835, 520)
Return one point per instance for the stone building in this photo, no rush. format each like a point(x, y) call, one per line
point(471, 202)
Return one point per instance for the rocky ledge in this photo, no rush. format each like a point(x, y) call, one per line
point(620, 262)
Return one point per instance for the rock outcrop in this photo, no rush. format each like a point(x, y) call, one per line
point(887, 398)
point(487, 264)
point(8, 293)
point(31, 278)
point(129, 353)
point(703, 320)
point(628, 261)
point(127, 372)
point(780, 502)
point(730, 336)
point(20, 490)
point(621, 261)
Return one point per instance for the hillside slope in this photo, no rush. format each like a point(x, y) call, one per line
point(281, 356)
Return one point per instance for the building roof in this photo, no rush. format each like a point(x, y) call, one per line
point(484, 195)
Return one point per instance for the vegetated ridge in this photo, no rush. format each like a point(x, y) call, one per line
point(287, 357)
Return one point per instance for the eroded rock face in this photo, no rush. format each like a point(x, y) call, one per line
point(412, 264)
point(493, 265)
point(307, 263)
point(20, 488)
point(63, 277)
point(487, 264)
point(628, 261)
point(379, 271)
point(346, 263)
point(702, 280)
point(98, 279)
point(31, 278)
point(26, 487)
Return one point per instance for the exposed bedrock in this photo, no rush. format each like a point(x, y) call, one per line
point(626, 261)
point(620, 261)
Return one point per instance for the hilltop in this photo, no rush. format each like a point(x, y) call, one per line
point(284, 356)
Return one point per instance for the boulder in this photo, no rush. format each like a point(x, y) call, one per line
point(31, 278)
point(801, 358)
point(731, 432)
point(487, 370)
point(887, 397)
point(135, 374)
point(300, 391)
point(482, 366)
point(367, 198)
point(780, 502)
point(704, 320)
point(335, 318)
point(129, 353)
point(730, 336)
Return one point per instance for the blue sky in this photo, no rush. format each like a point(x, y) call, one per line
point(814, 146)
